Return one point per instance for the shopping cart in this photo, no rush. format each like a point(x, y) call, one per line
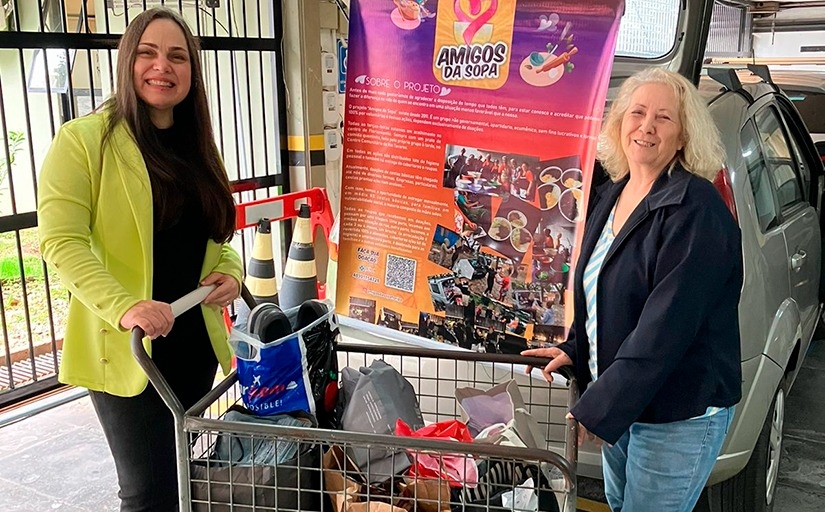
point(294, 468)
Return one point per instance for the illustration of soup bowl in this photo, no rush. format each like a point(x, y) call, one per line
point(409, 9)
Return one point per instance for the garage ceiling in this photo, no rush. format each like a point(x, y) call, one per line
point(784, 15)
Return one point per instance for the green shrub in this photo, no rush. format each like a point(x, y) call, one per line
point(10, 268)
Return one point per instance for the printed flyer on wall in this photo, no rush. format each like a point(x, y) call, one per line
point(469, 140)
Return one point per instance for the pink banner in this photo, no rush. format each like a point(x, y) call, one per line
point(470, 136)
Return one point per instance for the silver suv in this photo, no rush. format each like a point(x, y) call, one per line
point(774, 176)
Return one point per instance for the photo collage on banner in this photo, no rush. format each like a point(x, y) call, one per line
point(469, 141)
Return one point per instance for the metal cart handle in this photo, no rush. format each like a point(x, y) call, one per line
point(168, 396)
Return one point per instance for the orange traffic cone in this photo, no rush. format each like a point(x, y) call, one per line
point(260, 273)
point(300, 282)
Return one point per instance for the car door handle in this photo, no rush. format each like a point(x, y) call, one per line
point(798, 259)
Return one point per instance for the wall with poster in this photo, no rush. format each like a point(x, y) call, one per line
point(470, 135)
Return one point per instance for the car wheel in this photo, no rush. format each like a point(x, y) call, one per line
point(754, 488)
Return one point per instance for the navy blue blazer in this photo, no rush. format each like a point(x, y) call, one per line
point(668, 297)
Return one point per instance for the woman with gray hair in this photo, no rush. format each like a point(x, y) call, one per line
point(655, 338)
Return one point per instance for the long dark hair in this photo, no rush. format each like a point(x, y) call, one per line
point(209, 181)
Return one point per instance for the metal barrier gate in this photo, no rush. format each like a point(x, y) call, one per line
point(57, 62)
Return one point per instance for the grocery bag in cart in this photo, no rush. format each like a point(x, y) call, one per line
point(375, 398)
point(498, 415)
point(243, 474)
point(286, 360)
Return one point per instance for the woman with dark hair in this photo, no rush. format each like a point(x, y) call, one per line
point(135, 211)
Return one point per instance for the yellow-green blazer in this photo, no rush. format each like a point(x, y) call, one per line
point(96, 225)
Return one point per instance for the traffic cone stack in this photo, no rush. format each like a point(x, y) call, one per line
point(300, 282)
point(260, 273)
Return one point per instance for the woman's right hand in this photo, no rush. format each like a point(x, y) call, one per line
point(559, 359)
point(155, 318)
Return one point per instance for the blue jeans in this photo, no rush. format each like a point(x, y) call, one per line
point(663, 467)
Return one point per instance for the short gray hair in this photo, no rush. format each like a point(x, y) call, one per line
point(703, 153)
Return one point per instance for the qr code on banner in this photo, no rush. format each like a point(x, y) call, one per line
point(400, 273)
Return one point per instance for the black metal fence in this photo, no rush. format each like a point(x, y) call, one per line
point(57, 62)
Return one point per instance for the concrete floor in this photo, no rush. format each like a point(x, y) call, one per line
point(802, 479)
point(58, 460)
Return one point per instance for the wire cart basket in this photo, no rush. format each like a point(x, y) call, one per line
point(313, 458)
point(228, 464)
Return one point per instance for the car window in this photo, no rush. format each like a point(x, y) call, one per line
point(811, 107)
point(795, 130)
point(763, 194)
point(648, 28)
point(778, 157)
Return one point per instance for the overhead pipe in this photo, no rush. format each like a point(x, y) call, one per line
point(735, 4)
point(764, 25)
point(799, 5)
point(773, 7)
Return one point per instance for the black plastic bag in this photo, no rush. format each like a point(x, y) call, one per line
point(293, 485)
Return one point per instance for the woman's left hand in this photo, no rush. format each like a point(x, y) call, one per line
point(584, 433)
point(226, 291)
